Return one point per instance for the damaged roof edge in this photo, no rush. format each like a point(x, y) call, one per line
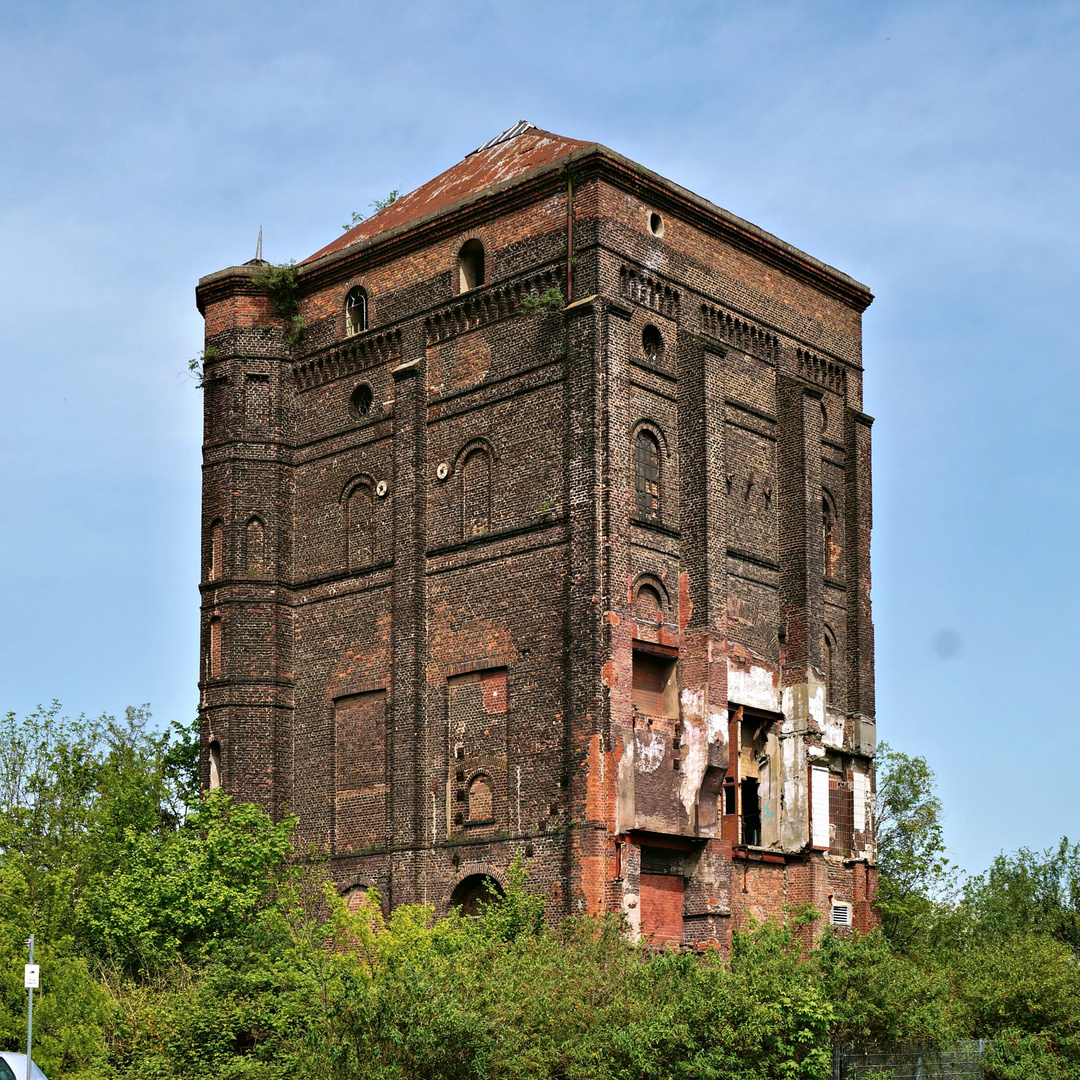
point(732, 227)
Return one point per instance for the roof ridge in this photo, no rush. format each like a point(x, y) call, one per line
point(505, 136)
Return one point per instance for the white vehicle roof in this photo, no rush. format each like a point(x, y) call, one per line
point(17, 1064)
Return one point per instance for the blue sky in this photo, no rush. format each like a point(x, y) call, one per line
point(928, 149)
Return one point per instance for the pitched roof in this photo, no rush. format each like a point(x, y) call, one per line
point(511, 153)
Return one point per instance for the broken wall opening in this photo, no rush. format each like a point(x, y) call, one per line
point(655, 690)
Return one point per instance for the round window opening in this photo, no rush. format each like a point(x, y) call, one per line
point(360, 402)
point(652, 344)
point(656, 224)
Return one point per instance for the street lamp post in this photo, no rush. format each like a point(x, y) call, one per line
point(31, 980)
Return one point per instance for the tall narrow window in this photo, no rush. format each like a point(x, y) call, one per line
point(828, 660)
point(356, 316)
point(217, 550)
point(751, 813)
point(257, 401)
point(830, 540)
point(254, 542)
point(481, 804)
point(476, 494)
point(215, 765)
point(471, 265)
point(361, 527)
point(647, 476)
point(215, 647)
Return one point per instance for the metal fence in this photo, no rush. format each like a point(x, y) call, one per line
point(959, 1060)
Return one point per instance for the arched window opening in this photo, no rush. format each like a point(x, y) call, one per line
point(481, 800)
point(476, 494)
point(471, 265)
point(361, 527)
point(474, 893)
point(647, 476)
point(215, 765)
point(648, 606)
point(356, 316)
point(830, 540)
point(217, 550)
point(215, 647)
point(255, 545)
point(652, 343)
point(828, 660)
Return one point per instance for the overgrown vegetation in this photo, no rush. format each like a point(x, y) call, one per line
point(281, 284)
point(376, 204)
point(182, 939)
point(552, 299)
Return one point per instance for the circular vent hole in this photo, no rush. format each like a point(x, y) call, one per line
point(656, 224)
point(360, 402)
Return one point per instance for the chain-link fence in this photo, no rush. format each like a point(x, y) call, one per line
point(959, 1060)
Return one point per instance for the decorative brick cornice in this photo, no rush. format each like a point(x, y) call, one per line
point(646, 291)
point(347, 358)
point(481, 307)
point(739, 333)
point(826, 373)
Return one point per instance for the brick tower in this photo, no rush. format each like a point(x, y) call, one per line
point(548, 533)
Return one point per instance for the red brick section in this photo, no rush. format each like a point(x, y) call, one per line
point(443, 594)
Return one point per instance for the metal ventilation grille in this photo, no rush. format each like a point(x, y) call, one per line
point(840, 915)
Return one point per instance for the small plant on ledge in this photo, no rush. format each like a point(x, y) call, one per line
point(552, 299)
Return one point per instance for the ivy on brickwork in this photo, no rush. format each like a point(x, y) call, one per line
point(281, 284)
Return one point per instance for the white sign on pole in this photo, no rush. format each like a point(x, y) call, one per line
point(32, 976)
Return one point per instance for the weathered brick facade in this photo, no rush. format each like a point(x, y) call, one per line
point(590, 583)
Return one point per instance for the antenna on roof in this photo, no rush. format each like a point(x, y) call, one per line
point(258, 247)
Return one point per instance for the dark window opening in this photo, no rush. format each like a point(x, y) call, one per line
point(656, 224)
point(471, 265)
point(360, 402)
point(474, 893)
point(356, 315)
point(655, 689)
point(652, 343)
point(215, 765)
point(751, 813)
point(730, 801)
point(647, 476)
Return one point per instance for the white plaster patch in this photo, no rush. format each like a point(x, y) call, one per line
point(816, 751)
point(695, 758)
point(718, 726)
point(754, 687)
point(859, 790)
point(631, 906)
point(833, 730)
point(650, 748)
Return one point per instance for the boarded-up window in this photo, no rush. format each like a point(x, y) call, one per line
point(254, 542)
point(360, 767)
point(841, 815)
point(662, 908)
point(819, 806)
point(360, 513)
point(654, 690)
point(215, 647)
point(648, 606)
point(476, 494)
point(481, 802)
point(257, 401)
point(217, 550)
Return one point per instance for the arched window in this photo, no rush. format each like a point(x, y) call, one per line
point(360, 527)
point(254, 543)
point(474, 893)
point(828, 660)
point(830, 540)
point(647, 476)
point(217, 550)
point(470, 265)
point(648, 606)
point(215, 765)
point(215, 647)
point(476, 494)
point(356, 311)
point(481, 802)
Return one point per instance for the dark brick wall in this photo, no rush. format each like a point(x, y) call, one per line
point(432, 603)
